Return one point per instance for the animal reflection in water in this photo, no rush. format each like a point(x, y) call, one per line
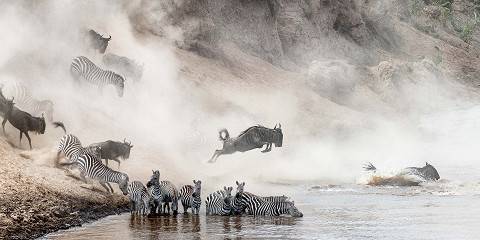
point(253, 137)
point(411, 176)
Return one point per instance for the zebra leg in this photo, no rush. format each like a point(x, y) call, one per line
point(185, 208)
point(104, 186)
point(29, 140)
point(108, 184)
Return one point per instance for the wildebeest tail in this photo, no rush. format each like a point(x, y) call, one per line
point(221, 135)
point(369, 167)
point(60, 124)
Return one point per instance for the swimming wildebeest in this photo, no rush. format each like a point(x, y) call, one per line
point(97, 41)
point(24, 122)
point(426, 173)
point(112, 150)
point(253, 137)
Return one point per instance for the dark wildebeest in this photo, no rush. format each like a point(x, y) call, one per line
point(97, 41)
point(24, 122)
point(253, 137)
point(112, 150)
point(426, 173)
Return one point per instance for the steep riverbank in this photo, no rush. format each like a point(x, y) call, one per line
point(36, 199)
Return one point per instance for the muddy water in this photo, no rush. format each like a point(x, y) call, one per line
point(438, 211)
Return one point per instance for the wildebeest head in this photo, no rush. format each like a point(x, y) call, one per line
point(240, 187)
point(125, 149)
point(293, 211)
point(429, 172)
point(98, 41)
point(123, 184)
point(39, 124)
point(278, 135)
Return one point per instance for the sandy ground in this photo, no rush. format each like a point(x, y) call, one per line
point(36, 198)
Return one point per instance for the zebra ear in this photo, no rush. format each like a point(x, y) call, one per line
point(224, 188)
point(237, 183)
point(195, 182)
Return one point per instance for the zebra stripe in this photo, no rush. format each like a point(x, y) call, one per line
point(165, 192)
point(26, 102)
point(219, 202)
point(82, 67)
point(92, 167)
point(190, 197)
point(258, 207)
point(71, 147)
point(139, 198)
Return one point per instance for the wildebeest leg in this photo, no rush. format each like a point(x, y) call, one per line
point(3, 125)
point(268, 148)
point(116, 160)
point(29, 140)
point(216, 154)
point(20, 140)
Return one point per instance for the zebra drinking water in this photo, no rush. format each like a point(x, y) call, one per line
point(91, 166)
point(219, 202)
point(190, 197)
point(139, 198)
point(163, 193)
point(258, 207)
point(82, 67)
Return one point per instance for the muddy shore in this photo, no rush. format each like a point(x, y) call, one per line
point(36, 199)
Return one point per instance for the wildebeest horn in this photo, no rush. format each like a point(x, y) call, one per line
point(109, 37)
point(279, 126)
point(275, 126)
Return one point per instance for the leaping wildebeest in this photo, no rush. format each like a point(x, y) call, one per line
point(24, 122)
point(113, 150)
point(253, 137)
point(97, 41)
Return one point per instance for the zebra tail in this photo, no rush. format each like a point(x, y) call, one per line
point(220, 134)
point(61, 125)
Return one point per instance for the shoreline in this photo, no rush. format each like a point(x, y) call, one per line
point(37, 199)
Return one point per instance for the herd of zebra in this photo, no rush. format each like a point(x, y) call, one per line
point(156, 197)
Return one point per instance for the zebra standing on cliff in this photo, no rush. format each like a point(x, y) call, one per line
point(190, 197)
point(71, 147)
point(139, 198)
point(91, 166)
point(163, 193)
point(219, 202)
point(82, 67)
point(25, 101)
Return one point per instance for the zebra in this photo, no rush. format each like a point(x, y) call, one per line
point(71, 147)
point(190, 197)
point(258, 207)
point(163, 193)
point(139, 198)
point(238, 208)
point(282, 198)
point(25, 101)
point(91, 166)
point(219, 202)
point(82, 67)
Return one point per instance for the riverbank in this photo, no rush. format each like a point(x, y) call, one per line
point(36, 199)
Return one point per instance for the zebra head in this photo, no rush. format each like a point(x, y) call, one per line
point(293, 211)
point(228, 194)
point(277, 135)
point(240, 187)
point(123, 185)
point(198, 187)
point(154, 179)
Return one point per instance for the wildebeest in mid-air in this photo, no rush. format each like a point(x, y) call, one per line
point(24, 122)
point(97, 41)
point(113, 150)
point(425, 173)
point(253, 137)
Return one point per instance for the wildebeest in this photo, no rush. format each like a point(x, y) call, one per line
point(253, 137)
point(97, 41)
point(123, 65)
point(24, 122)
point(426, 173)
point(113, 150)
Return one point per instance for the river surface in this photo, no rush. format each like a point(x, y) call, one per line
point(443, 210)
